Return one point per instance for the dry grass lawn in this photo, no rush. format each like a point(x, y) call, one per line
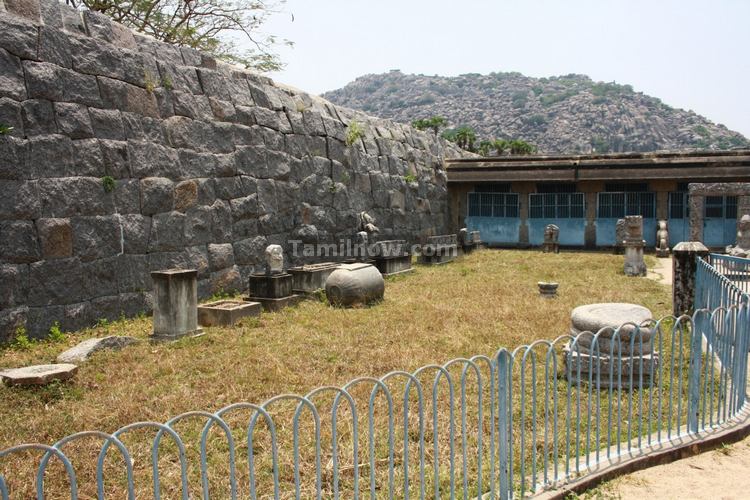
point(476, 305)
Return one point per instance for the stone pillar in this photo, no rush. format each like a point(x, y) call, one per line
point(634, 243)
point(589, 236)
point(697, 204)
point(662, 203)
point(523, 190)
point(685, 257)
point(175, 304)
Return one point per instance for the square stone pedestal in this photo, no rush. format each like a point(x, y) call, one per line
point(391, 266)
point(439, 257)
point(473, 241)
point(439, 250)
point(226, 312)
point(272, 286)
point(311, 278)
point(273, 291)
point(392, 257)
point(175, 304)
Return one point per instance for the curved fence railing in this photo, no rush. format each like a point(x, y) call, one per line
point(504, 426)
point(722, 280)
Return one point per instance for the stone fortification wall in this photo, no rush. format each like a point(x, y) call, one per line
point(128, 155)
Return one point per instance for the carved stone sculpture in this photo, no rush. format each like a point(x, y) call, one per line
point(620, 235)
point(551, 239)
point(274, 259)
point(742, 246)
point(367, 223)
point(662, 239)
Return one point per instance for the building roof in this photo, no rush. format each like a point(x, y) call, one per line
point(677, 165)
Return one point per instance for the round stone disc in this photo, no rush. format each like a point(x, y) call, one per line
point(594, 317)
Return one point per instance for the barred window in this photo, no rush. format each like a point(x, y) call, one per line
point(618, 205)
point(557, 205)
point(718, 207)
point(493, 204)
point(678, 205)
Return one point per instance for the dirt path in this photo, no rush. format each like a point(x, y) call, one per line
point(719, 474)
point(662, 271)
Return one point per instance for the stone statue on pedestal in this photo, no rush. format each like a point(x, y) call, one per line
point(742, 246)
point(274, 259)
point(662, 239)
point(551, 239)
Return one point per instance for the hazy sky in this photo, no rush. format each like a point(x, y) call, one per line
point(691, 54)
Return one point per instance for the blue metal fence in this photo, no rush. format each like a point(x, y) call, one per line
point(736, 270)
point(504, 426)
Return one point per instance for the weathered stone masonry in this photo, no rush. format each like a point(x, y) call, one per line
point(210, 164)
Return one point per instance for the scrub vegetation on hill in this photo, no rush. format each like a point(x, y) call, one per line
point(561, 114)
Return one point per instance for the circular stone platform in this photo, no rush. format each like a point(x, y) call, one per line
point(625, 362)
point(594, 317)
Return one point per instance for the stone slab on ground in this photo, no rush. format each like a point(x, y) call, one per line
point(38, 374)
point(83, 351)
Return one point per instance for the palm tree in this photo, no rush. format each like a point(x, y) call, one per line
point(519, 147)
point(465, 138)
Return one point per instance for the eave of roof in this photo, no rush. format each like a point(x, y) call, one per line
point(658, 165)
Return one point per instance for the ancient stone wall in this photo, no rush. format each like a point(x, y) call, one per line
point(128, 155)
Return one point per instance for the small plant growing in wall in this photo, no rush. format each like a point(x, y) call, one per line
point(409, 178)
point(150, 82)
point(108, 183)
point(5, 129)
point(167, 83)
point(353, 133)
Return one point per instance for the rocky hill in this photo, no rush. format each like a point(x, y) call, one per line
point(563, 114)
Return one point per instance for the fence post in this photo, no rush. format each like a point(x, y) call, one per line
point(684, 264)
point(741, 348)
point(700, 322)
point(502, 423)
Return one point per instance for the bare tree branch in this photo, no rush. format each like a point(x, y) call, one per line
point(200, 24)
